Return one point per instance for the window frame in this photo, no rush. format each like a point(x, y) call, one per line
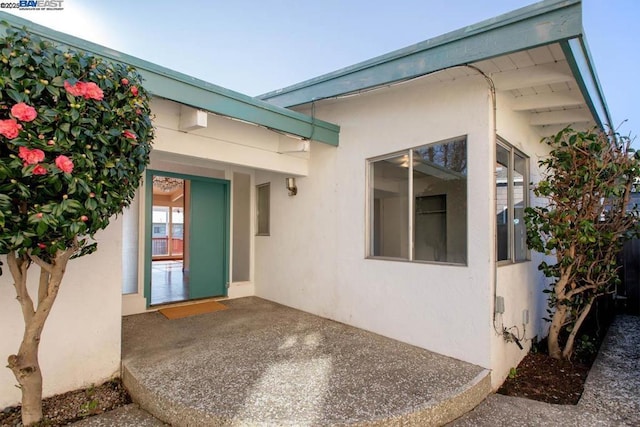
point(259, 188)
point(513, 151)
point(369, 205)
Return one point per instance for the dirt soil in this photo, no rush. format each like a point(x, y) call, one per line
point(543, 378)
point(67, 408)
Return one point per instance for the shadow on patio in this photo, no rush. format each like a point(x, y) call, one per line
point(263, 363)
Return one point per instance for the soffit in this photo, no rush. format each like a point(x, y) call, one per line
point(542, 86)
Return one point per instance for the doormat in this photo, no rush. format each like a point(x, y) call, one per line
point(191, 309)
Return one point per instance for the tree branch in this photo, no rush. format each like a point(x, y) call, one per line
point(18, 267)
point(43, 286)
point(568, 348)
point(42, 263)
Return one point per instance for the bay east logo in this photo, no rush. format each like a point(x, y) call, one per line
point(40, 4)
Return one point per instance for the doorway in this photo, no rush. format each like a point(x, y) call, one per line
point(187, 237)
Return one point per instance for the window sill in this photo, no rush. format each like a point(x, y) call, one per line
point(506, 263)
point(450, 264)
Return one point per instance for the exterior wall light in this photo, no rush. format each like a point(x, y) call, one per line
point(291, 186)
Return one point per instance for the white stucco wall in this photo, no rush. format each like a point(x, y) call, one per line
point(520, 284)
point(314, 259)
point(81, 340)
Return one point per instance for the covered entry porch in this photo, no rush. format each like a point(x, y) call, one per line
point(261, 363)
point(190, 233)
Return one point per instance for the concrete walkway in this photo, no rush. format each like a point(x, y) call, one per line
point(261, 363)
point(611, 394)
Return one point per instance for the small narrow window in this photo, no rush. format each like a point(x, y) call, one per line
point(512, 177)
point(263, 196)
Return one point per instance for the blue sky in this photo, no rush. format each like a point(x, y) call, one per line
point(254, 46)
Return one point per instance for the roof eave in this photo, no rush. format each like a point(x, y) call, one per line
point(579, 58)
point(179, 87)
point(539, 24)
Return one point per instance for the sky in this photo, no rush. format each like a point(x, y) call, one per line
point(255, 46)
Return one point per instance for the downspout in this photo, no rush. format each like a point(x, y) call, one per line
point(494, 132)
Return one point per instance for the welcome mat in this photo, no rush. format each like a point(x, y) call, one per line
point(191, 309)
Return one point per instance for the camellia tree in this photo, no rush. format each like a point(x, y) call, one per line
point(587, 218)
point(75, 138)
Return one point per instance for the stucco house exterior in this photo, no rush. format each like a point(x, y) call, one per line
point(412, 171)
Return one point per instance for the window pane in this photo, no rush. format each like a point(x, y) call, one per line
point(263, 193)
point(390, 208)
point(519, 204)
point(502, 203)
point(160, 232)
point(440, 202)
point(177, 231)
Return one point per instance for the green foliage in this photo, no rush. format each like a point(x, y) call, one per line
point(513, 372)
point(588, 183)
point(586, 347)
point(91, 112)
point(89, 407)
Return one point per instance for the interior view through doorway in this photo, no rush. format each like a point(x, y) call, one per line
point(188, 237)
point(169, 278)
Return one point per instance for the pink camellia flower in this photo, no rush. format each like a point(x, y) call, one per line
point(24, 112)
point(39, 170)
point(129, 134)
point(76, 89)
point(10, 128)
point(39, 215)
point(134, 90)
point(42, 246)
point(30, 157)
point(64, 164)
point(92, 91)
point(124, 81)
point(84, 218)
point(87, 90)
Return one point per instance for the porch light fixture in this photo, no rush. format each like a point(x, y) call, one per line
point(291, 186)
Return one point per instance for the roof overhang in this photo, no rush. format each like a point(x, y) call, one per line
point(169, 84)
point(577, 53)
point(549, 23)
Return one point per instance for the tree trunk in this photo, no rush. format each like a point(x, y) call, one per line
point(26, 368)
point(557, 321)
point(24, 364)
point(568, 348)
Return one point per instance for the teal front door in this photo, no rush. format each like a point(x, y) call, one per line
point(208, 225)
point(187, 237)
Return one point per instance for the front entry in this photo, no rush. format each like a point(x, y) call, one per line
point(207, 248)
point(187, 237)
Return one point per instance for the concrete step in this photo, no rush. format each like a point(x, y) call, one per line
point(260, 363)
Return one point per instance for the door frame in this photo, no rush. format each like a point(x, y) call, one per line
point(148, 225)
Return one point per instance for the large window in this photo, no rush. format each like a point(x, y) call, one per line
point(512, 177)
point(418, 204)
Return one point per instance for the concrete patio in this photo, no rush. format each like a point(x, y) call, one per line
point(260, 363)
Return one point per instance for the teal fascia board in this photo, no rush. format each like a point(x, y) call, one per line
point(166, 83)
point(535, 25)
point(579, 59)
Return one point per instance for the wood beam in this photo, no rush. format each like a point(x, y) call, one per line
point(569, 98)
point(561, 117)
point(537, 75)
